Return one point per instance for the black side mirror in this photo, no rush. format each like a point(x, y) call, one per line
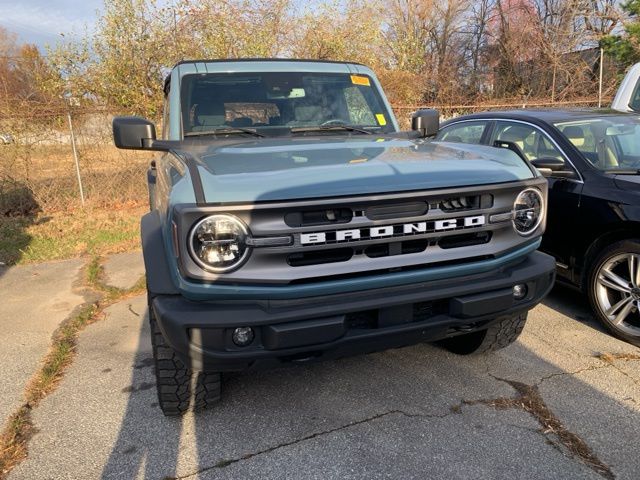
point(426, 122)
point(553, 164)
point(135, 133)
point(553, 167)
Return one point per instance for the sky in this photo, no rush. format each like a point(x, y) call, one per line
point(42, 21)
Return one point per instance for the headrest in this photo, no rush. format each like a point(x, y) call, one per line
point(515, 134)
point(573, 132)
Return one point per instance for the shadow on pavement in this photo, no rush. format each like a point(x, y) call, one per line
point(146, 439)
point(415, 412)
point(573, 304)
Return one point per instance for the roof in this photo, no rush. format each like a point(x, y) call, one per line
point(196, 61)
point(546, 115)
point(264, 59)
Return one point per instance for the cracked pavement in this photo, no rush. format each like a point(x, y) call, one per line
point(415, 412)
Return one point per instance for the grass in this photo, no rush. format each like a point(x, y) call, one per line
point(68, 234)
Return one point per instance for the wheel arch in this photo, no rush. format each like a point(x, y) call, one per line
point(157, 267)
point(616, 233)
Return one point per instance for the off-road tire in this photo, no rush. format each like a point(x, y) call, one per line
point(630, 246)
point(179, 388)
point(499, 335)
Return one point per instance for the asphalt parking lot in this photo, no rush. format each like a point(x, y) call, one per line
point(562, 402)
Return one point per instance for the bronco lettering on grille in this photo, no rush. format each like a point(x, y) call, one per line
point(340, 236)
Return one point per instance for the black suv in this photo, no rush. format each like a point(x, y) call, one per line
point(592, 161)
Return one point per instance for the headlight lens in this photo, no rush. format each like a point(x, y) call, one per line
point(528, 211)
point(219, 243)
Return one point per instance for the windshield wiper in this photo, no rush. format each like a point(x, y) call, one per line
point(623, 171)
point(329, 128)
point(225, 131)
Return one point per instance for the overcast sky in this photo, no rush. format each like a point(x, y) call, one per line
point(42, 21)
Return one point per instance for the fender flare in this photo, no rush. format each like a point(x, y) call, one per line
point(158, 273)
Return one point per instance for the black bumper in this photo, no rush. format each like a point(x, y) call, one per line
point(321, 328)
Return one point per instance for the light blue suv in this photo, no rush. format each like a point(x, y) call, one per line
point(291, 221)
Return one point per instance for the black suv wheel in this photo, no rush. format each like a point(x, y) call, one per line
point(613, 288)
point(179, 388)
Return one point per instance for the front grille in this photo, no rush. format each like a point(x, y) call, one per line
point(363, 236)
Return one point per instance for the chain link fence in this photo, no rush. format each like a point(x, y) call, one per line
point(52, 161)
point(42, 171)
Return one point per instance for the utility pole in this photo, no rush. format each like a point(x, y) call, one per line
point(600, 81)
point(75, 153)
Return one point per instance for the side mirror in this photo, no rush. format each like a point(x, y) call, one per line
point(553, 167)
point(135, 133)
point(426, 122)
point(553, 164)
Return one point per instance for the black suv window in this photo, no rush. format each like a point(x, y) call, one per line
point(464, 132)
point(530, 141)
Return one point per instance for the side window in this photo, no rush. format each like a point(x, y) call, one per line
point(629, 144)
point(464, 132)
point(635, 98)
point(165, 118)
point(528, 140)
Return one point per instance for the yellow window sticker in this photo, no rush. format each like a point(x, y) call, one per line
point(381, 120)
point(358, 80)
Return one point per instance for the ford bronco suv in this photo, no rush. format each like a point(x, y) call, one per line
point(292, 221)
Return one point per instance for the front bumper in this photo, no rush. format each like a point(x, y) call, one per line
point(326, 327)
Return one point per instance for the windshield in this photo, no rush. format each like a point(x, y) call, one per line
point(271, 101)
point(610, 143)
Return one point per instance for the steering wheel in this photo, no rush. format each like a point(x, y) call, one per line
point(333, 121)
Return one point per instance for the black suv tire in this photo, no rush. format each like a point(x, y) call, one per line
point(179, 388)
point(500, 334)
point(627, 331)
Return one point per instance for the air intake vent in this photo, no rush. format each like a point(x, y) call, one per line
point(320, 257)
point(318, 217)
point(396, 248)
point(398, 210)
point(456, 204)
point(465, 240)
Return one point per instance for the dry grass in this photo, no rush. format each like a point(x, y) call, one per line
point(72, 233)
point(528, 399)
point(612, 357)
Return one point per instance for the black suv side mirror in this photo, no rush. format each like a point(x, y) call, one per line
point(552, 164)
point(552, 167)
point(135, 133)
point(426, 122)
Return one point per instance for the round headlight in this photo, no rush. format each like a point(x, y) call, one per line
point(528, 210)
point(219, 243)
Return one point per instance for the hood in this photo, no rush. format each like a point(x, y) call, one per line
point(295, 168)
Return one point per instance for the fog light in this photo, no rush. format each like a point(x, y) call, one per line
point(519, 291)
point(242, 336)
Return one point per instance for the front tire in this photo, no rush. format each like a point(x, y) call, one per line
point(613, 288)
point(500, 334)
point(179, 388)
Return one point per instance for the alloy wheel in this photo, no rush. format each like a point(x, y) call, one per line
point(617, 292)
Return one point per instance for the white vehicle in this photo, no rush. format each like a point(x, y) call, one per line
point(628, 95)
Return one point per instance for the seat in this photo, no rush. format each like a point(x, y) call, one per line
point(515, 136)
